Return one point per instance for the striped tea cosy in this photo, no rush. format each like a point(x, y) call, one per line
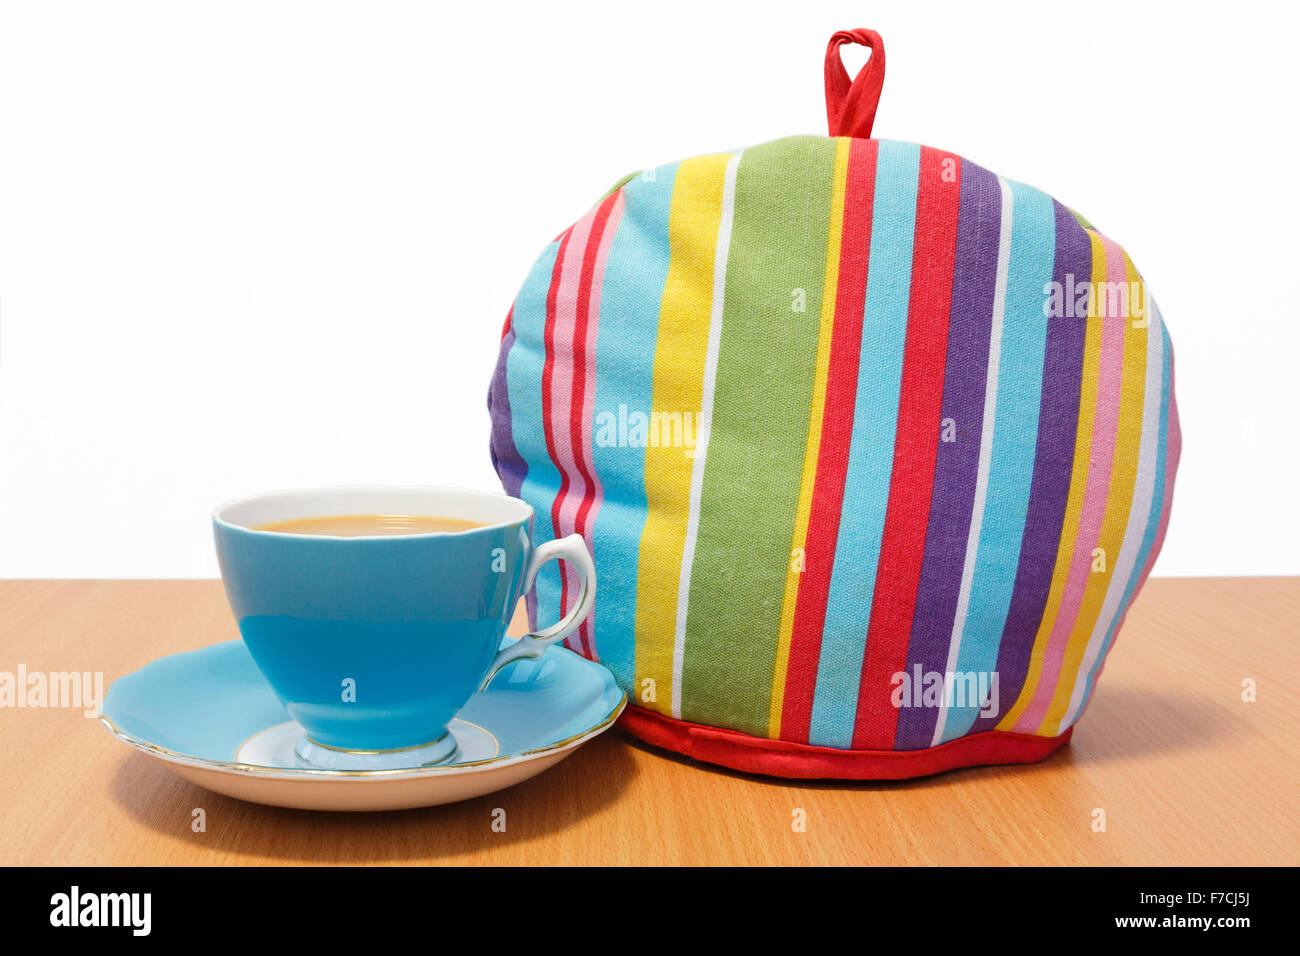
point(873, 449)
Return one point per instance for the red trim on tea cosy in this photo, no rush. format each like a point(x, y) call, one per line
point(851, 104)
point(781, 758)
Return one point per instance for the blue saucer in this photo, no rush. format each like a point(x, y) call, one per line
point(210, 716)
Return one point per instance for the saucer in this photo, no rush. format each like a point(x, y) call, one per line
point(210, 716)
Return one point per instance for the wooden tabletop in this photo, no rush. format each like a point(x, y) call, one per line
point(1184, 769)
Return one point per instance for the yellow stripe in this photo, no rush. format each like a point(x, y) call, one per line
point(684, 314)
point(1074, 503)
point(1119, 504)
point(812, 449)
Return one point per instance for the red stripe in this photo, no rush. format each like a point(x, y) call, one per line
point(836, 439)
point(505, 328)
point(916, 446)
point(548, 371)
point(577, 400)
point(584, 518)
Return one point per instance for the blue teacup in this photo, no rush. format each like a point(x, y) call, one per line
point(373, 643)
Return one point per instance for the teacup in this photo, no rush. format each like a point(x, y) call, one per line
point(372, 643)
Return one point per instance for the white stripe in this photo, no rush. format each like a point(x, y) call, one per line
point(1139, 513)
point(986, 449)
point(706, 421)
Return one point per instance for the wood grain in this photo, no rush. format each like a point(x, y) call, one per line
point(1186, 772)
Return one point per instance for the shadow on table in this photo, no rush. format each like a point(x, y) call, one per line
point(582, 784)
point(1120, 723)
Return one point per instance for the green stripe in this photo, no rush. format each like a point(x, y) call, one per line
point(766, 365)
point(618, 185)
point(1081, 220)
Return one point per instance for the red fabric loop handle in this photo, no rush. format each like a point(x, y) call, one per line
point(851, 104)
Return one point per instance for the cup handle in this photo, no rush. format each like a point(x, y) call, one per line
point(572, 549)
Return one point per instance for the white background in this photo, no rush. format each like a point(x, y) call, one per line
point(246, 246)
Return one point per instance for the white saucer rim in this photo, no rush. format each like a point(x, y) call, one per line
point(317, 774)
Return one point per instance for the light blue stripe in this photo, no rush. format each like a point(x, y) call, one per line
point(626, 339)
point(1153, 516)
point(871, 453)
point(524, 381)
point(1015, 441)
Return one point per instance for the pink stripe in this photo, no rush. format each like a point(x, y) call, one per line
point(580, 444)
point(1097, 490)
point(566, 316)
point(1173, 451)
point(585, 517)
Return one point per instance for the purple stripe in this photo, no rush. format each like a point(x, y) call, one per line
point(974, 278)
point(509, 464)
point(1054, 459)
